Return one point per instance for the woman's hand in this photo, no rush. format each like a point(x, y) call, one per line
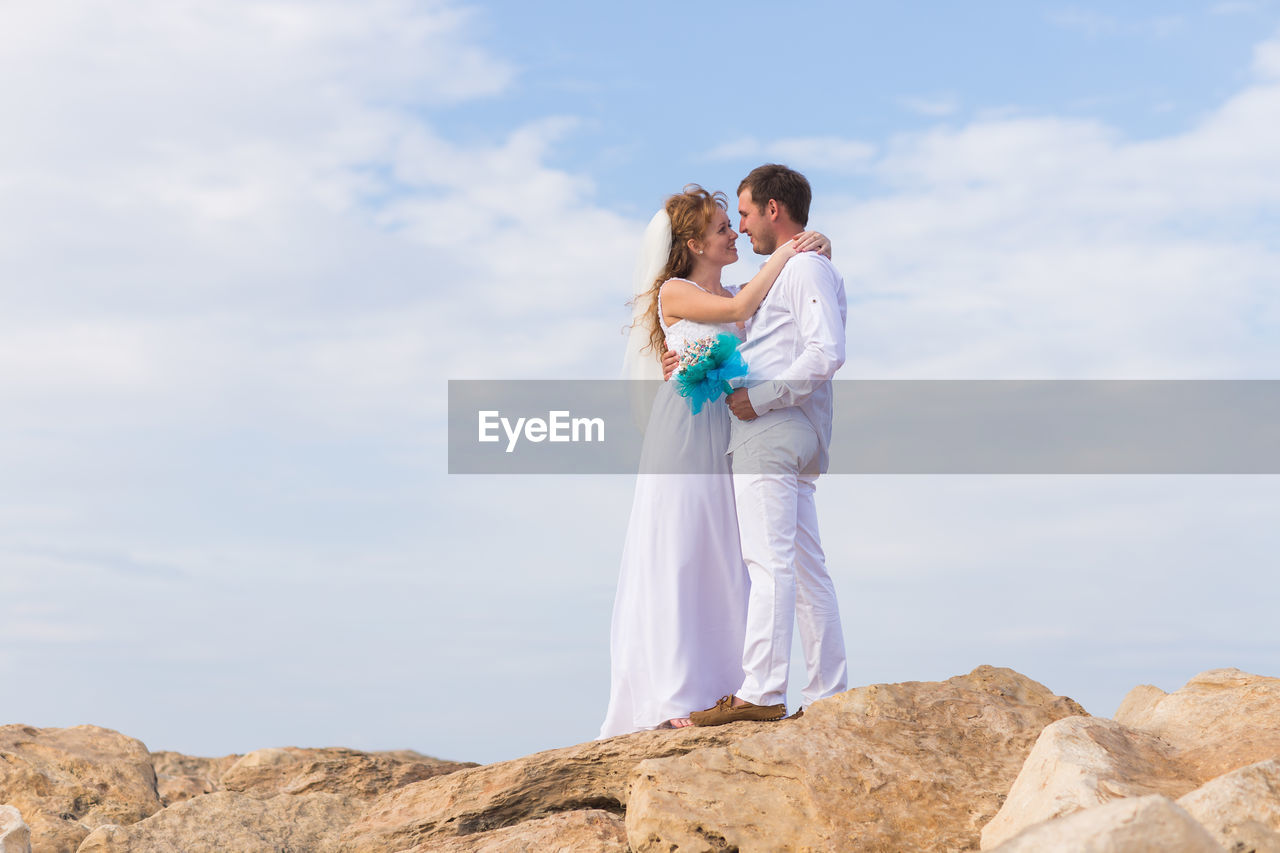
point(812, 241)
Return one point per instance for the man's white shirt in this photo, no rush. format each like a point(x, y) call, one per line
point(795, 343)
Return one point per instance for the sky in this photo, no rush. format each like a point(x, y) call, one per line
point(243, 247)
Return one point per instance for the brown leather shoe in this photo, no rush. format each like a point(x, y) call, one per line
point(725, 712)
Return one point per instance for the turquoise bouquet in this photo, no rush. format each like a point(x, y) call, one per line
point(706, 366)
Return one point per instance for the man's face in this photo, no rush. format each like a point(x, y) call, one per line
point(756, 225)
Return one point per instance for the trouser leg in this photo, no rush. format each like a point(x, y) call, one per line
point(766, 519)
point(766, 484)
point(817, 611)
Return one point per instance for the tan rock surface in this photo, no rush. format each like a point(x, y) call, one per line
point(225, 821)
point(180, 777)
point(1219, 721)
point(177, 789)
point(593, 775)
point(15, 837)
point(1241, 809)
point(913, 766)
point(65, 782)
point(1082, 762)
point(1150, 824)
point(364, 775)
point(589, 831)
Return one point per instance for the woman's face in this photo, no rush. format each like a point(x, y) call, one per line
point(719, 244)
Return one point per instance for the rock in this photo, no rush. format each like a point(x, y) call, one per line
point(226, 821)
point(1241, 809)
point(593, 775)
point(1219, 721)
point(1160, 743)
point(65, 782)
point(15, 837)
point(913, 766)
point(176, 789)
point(362, 775)
point(206, 769)
point(1150, 824)
point(1140, 701)
point(180, 777)
point(589, 831)
point(1081, 762)
point(413, 755)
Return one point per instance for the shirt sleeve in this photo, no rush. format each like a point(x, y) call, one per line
point(815, 304)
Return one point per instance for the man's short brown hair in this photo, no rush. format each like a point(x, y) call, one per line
point(786, 186)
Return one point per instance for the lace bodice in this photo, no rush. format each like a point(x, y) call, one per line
point(681, 333)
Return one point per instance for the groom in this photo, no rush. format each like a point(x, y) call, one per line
point(781, 433)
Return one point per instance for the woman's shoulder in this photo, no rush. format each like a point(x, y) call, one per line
point(675, 285)
point(683, 283)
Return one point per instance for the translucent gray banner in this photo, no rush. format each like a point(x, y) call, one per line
point(894, 427)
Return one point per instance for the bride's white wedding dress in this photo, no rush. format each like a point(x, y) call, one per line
point(679, 618)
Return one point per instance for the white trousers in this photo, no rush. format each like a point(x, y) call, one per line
point(774, 476)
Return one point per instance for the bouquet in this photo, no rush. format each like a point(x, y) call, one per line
point(706, 366)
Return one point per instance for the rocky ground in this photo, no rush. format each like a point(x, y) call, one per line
point(985, 761)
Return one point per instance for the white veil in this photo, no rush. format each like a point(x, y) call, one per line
point(653, 257)
point(640, 362)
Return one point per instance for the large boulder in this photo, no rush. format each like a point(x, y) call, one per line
point(585, 831)
point(1241, 809)
point(226, 821)
point(1160, 743)
point(66, 782)
point(362, 775)
point(1219, 721)
point(589, 776)
point(1150, 824)
point(15, 837)
point(913, 766)
point(1081, 762)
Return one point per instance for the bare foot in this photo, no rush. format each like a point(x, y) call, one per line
point(677, 723)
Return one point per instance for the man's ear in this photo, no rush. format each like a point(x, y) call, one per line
point(772, 209)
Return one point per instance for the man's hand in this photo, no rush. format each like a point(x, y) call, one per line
point(670, 361)
point(740, 405)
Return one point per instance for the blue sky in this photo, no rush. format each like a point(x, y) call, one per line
point(678, 81)
point(247, 244)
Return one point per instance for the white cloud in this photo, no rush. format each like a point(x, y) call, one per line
point(817, 154)
point(1087, 21)
point(1095, 24)
point(1266, 59)
point(1237, 7)
point(935, 106)
point(1165, 25)
point(1046, 247)
point(240, 260)
point(229, 211)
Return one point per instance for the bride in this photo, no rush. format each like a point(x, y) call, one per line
point(679, 618)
